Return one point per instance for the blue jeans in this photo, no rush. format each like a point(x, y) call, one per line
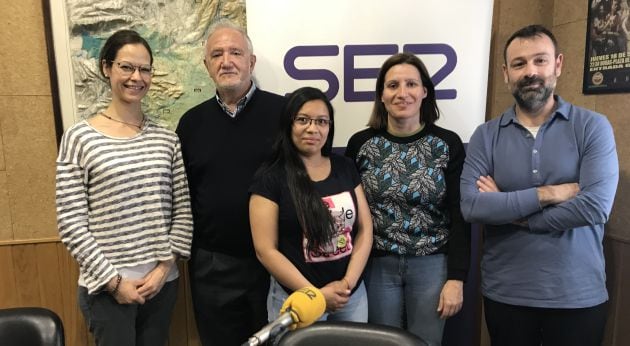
point(405, 291)
point(356, 310)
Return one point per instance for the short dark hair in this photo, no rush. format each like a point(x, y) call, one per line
point(117, 41)
point(429, 112)
point(528, 32)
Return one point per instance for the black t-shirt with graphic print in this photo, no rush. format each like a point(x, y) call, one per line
point(337, 191)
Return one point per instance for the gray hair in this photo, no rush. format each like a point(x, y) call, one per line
point(225, 23)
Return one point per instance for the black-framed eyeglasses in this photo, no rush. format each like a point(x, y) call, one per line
point(306, 121)
point(128, 68)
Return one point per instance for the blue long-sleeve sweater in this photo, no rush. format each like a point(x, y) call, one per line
point(557, 261)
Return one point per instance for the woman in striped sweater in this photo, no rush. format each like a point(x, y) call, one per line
point(123, 207)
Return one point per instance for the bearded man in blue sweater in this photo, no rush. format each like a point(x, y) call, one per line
point(542, 178)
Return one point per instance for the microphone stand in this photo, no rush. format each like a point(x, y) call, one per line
point(271, 330)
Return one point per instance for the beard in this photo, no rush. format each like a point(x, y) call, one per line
point(532, 100)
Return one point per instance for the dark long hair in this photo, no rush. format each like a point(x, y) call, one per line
point(115, 42)
point(429, 112)
point(314, 218)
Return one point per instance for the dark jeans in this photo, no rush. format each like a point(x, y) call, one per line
point(512, 325)
point(229, 296)
point(114, 324)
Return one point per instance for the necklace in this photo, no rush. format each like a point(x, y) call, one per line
point(139, 126)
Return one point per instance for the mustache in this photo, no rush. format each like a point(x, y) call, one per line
point(527, 81)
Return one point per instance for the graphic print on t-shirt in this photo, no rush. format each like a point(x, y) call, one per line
point(343, 211)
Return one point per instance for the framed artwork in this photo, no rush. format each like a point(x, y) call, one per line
point(607, 52)
point(175, 30)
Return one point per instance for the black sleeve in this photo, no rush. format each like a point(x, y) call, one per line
point(351, 170)
point(266, 183)
point(459, 239)
point(352, 149)
point(355, 142)
point(184, 134)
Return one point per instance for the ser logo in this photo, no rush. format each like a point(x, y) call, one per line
point(351, 73)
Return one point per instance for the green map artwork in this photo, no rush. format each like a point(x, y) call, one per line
point(175, 30)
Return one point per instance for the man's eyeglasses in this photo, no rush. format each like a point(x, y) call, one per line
point(306, 121)
point(128, 68)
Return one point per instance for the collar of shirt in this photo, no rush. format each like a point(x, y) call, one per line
point(240, 104)
point(562, 109)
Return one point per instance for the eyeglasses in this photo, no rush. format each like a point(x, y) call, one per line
point(306, 121)
point(128, 68)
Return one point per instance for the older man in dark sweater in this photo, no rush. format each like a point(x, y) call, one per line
point(224, 140)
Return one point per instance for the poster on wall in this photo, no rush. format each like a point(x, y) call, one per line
point(341, 56)
point(339, 46)
point(607, 53)
point(175, 30)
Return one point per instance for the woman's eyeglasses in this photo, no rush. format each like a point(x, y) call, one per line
point(128, 68)
point(306, 121)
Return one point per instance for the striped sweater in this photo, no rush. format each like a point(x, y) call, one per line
point(121, 202)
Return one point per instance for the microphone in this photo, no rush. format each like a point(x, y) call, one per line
point(302, 308)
